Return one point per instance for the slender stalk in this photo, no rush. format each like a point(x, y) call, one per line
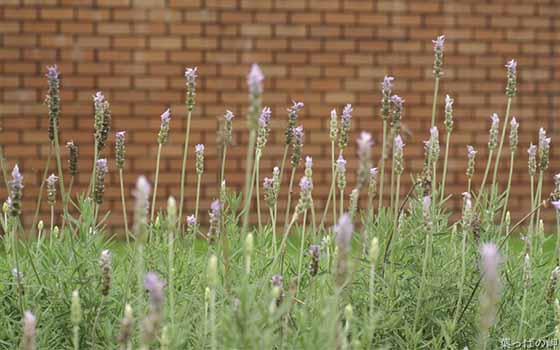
point(434, 100)
point(397, 195)
point(341, 203)
point(66, 201)
point(273, 223)
point(313, 225)
point(123, 201)
point(249, 195)
point(488, 162)
point(76, 337)
point(392, 182)
point(434, 181)
point(382, 166)
point(52, 217)
point(301, 250)
point(171, 269)
point(41, 188)
point(92, 178)
point(522, 319)
point(224, 152)
point(419, 297)
point(59, 164)
point(16, 258)
point(371, 303)
point(533, 199)
point(284, 156)
point(184, 167)
point(257, 186)
point(332, 191)
point(289, 197)
point(508, 189)
point(462, 280)
point(197, 202)
point(213, 342)
point(538, 197)
point(249, 178)
point(497, 163)
point(557, 248)
point(469, 185)
point(154, 196)
point(444, 176)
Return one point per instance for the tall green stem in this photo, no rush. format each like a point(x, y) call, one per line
point(249, 194)
point(154, 196)
point(498, 155)
point(66, 201)
point(123, 202)
point(197, 201)
point(533, 200)
point(249, 179)
point(341, 203)
point(41, 188)
point(382, 166)
point(444, 176)
point(93, 168)
point(538, 196)
point(290, 189)
point(273, 221)
point(224, 153)
point(462, 280)
point(59, 164)
point(184, 167)
point(434, 101)
point(257, 186)
point(332, 191)
point(488, 162)
point(508, 189)
point(301, 250)
point(171, 269)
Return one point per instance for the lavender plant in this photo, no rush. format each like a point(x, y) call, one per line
point(161, 140)
point(190, 76)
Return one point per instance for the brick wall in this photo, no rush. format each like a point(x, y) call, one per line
point(324, 52)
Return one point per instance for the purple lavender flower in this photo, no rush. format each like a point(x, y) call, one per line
point(229, 116)
point(438, 55)
point(297, 144)
point(426, 203)
point(292, 119)
point(264, 118)
point(154, 285)
point(106, 271)
point(373, 172)
point(191, 220)
point(495, 120)
point(99, 186)
point(199, 162)
point(345, 126)
point(556, 204)
point(98, 100)
point(343, 230)
point(120, 149)
point(16, 187)
point(190, 75)
point(511, 86)
point(308, 162)
point(215, 218)
point(268, 184)
point(141, 205)
point(471, 153)
point(387, 85)
point(399, 145)
point(51, 188)
point(305, 184)
point(255, 79)
point(341, 164)
point(52, 73)
point(365, 141)
point(164, 127)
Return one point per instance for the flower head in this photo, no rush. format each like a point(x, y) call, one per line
point(29, 331)
point(345, 126)
point(511, 86)
point(341, 164)
point(154, 285)
point(164, 127)
point(72, 157)
point(16, 193)
point(51, 188)
point(199, 153)
point(255, 79)
point(439, 43)
point(343, 230)
point(141, 205)
point(190, 75)
point(191, 220)
point(120, 149)
point(438, 55)
point(387, 85)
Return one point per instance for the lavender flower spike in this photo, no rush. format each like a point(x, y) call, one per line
point(164, 127)
point(438, 55)
point(490, 259)
point(16, 186)
point(511, 86)
point(190, 75)
point(51, 188)
point(141, 206)
point(341, 164)
point(255, 79)
point(387, 85)
point(343, 230)
point(29, 331)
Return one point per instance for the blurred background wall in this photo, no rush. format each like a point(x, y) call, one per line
point(326, 53)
